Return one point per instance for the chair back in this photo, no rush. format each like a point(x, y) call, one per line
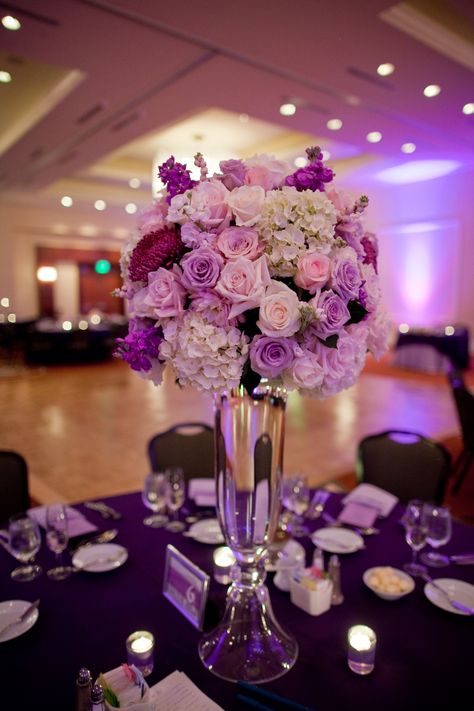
point(14, 495)
point(464, 402)
point(189, 445)
point(406, 464)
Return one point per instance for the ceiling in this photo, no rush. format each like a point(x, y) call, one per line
point(100, 88)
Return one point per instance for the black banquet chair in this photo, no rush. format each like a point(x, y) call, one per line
point(14, 494)
point(189, 445)
point(464, 402)
point(406, 464)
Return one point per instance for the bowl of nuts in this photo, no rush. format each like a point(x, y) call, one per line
point(388, 583)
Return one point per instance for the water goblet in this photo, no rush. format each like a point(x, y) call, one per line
point(296, 499)
point(439, 533)
point(154, 498)
point(24, 543)
point(416, 530)
point(175, 495)
point(57, 538)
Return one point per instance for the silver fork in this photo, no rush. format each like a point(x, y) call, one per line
point(454, 603)
point(317, 505)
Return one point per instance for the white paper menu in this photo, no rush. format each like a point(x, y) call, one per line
point(177, 692)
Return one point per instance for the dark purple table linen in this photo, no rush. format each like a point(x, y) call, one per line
point(423, 660)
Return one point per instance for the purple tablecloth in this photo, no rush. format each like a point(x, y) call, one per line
point(424, 654)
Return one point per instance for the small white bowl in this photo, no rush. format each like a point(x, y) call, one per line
point(388, 583)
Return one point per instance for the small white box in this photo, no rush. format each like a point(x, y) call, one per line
point(314, 602)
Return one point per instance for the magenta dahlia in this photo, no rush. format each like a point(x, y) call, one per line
point(160, 248)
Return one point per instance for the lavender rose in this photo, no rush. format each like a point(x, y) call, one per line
point(346, 278)
point(201, 269)
point(233, 173)
point(333, 313)
point(270, 356)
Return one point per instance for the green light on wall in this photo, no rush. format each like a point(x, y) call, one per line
point(102, 266)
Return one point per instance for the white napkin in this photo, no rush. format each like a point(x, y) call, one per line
point(78, 524)
point(203, 491)
point(373, 497)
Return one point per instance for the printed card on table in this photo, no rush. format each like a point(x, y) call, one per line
point(186, 586)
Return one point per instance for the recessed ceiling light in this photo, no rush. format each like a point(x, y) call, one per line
point(326, 155)
point(374, 137)
point(5, 77)
point(5, 302)
point(408, 148)
point(384, 70)
point(67, 201)
point(131, 208)
point(431, 90)
point(11, 23)
point(100, 205)
point(300, 161)
point(334, 124)
point(47, 274)
point(88, 230)
point(468, 109)
point(135, 183)
point(287, 109)
point(243, 118)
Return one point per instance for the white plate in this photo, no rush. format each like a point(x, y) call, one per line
point(206, 531)
point(384, 570)
point(337, 540)
point(457, 589)
point(10, 610)
point(291, 548)
point(100, 558)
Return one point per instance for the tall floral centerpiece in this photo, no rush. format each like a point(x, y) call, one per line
point(248, 283)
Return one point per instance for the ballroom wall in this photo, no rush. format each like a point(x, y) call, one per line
point(426, 233)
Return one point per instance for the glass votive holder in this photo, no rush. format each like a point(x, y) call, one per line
point(140, 648)
point(362, 641)
point(223, 562)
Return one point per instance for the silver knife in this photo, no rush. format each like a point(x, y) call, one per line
point(454, 603)
point(21, 618)
point(104, 537)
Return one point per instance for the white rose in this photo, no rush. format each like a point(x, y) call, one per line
point(279, 311)
point(246, 203)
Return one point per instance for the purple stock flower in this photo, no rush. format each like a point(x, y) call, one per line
point(346, 279)
point(313, 176)
point(334, 314)
point(270, 356)
point(369, 243)
point(201, 269)
point(161, 248)
point(233, 173)
point(176, 177)
point(139, 346)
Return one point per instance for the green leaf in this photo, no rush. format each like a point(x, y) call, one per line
point(109, 695)
point(357, 311)
point(331, 341)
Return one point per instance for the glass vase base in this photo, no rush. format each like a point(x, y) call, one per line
point(26, 573)
point(248, 644)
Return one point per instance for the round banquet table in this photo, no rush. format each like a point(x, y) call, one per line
point(424, 654)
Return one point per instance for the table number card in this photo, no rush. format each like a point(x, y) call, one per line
point(186, 586)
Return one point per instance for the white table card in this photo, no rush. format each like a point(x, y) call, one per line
point(186, 586)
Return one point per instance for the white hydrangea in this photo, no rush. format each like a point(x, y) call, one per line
point(292, 223)
point(203, 355)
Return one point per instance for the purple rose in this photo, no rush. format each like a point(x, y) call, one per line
point(332, 312)
point(201, 269)
point(346, 279)
point(233, 173)
point(270, 356)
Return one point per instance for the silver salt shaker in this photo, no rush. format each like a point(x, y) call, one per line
point(334, 569)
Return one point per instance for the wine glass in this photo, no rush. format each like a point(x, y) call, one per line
point(57, 538)
point(416, 530)
point(439, 533)
point(175, 494)
point(24, 542)
point(154, 498)
point(296, 499)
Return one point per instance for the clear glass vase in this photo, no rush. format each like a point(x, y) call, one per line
point(248, 644)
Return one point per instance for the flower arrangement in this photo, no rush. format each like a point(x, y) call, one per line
point(254, 272)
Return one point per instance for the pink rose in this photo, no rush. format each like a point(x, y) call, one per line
point(243, 283)
point(306, 372)
point(313, 271)
point(209, 204)
point(267, 171)
point(279, 313)
point(166, 295)
point(154, 218)
point(246, 203)
point(342, 201)
point(236, 242)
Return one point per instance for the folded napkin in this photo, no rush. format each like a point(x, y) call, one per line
point(77, 522)
point(356, 514)
point(372, 497)
point(202, 491)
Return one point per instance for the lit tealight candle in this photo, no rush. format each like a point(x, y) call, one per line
point(140, 647)
point(223, 561)
point(362, 641)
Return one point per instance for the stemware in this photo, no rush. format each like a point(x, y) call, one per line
point(439, 533)
point(175, 494)
point(24, 543)
point(57, 538)
point(154, 498)
point(296, 500)
point(416, 529)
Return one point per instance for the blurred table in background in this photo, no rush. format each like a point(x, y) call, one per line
point(433, 351)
